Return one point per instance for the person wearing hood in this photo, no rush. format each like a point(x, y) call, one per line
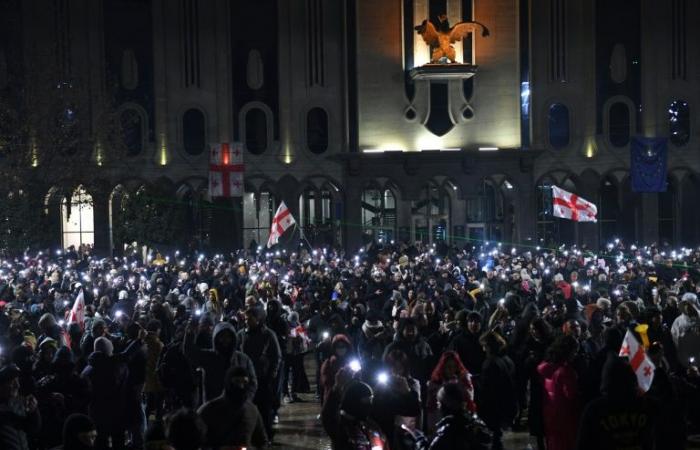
point(231, 420)
point(79, 433)
point(217, 360)
point(276, 322)
point(466, 341)
point(260, 344)
point(50, 329)
point(621, 418)
point(107, 375)
point(686, 331)
point(295, 380)
point(19, 417)
point(341, 355)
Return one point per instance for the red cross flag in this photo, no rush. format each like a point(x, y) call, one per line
point(77, 313)
point(283, 219)
point(226, 170)
point(640, 362)
point(570, 206)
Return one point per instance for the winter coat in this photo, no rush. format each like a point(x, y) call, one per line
point(469, 349)
point(560, 406)
point(230, 425)
point(461, 431)
point(107, 377)
point(16, 425)
point(431, 404)
point(496, 396)
point(215, 363)
point(154, 347)
point(418, 352)
point(610, 423)
point(332, 365)
point(262, 348)
point(686, 335)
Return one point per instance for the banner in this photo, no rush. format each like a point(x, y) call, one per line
point(648, 158)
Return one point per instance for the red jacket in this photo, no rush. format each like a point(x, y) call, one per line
point(560, 405)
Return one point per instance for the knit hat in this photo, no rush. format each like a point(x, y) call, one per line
point(104, 345)
point(603, 303)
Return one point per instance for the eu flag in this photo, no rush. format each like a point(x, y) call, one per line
point(648, 164)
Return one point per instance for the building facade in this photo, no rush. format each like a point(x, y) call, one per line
point(337, 125)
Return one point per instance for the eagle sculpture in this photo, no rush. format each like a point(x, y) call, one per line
point(441, 40)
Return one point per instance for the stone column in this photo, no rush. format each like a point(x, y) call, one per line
point(101, 224)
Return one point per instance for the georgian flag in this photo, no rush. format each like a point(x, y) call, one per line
point(570, 206)
point(77, 313)
point(640, 362)
point(226, 170)
point(280, 223)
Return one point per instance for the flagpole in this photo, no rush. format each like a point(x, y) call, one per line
point(303, 236)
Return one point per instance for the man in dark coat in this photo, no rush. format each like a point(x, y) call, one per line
point(466, 341)
point(231, 420)
point(107, 375)
point(458, 428)
point(260, 344)
point(216, 361)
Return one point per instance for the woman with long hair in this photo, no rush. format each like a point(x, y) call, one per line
point(449, 369)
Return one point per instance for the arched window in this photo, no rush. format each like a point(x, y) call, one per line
point(317, 130)
point(431, 215)
point(378, 213)
point(559, 132)
point(132, 131)
point(258, 211)
point(194, 131)
point(619, 124)
point(256, 131)
point(78, 220)
point(679, 122)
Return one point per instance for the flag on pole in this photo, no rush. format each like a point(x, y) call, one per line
point(226, 170)
point(77, 313)
point(640, 362)
point(570, 206)
point(283, 219)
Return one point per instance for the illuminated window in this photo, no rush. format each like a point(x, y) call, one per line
point(78, 219)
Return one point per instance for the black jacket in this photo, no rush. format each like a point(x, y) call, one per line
point(461, 431)
point(262, 348)
point(15, 425)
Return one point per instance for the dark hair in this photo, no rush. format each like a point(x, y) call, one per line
point(154, 325)
point(185, 430)
point(562, 349)
point(397, 357)
point(494, 342)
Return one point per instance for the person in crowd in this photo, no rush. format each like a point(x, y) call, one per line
point(231, 420)
point(79, 433)
point(20, 420)
point(260, 344)
point(561, 402)
point(410, 342)
point(342, 354)
point(621, 418)
point(346, 415)
point(466, 341)
point(449, 370)
point(496, 394)
point(185, 430)
point(217, 360)
point(458, 428)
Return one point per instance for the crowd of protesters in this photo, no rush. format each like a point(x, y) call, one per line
point(414, 347)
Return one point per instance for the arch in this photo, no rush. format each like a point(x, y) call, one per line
point(194, 131)
point(256, 129)
point(78, 219)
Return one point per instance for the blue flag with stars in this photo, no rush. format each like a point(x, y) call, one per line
point(648, 159)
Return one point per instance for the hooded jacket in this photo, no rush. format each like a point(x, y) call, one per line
point(560, 407)
point(216, 361)
point(334, 363)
